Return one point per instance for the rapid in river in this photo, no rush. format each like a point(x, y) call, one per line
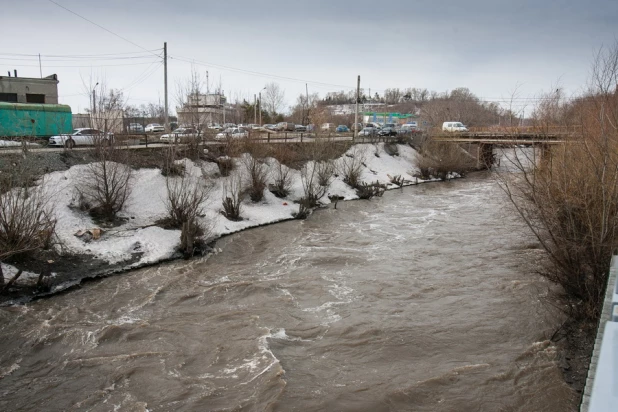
point(422, 300)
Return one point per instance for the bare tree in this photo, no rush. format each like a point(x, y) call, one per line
point(274, 97)
point(568, 195)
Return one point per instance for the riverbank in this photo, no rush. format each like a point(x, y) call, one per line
point(139, 242)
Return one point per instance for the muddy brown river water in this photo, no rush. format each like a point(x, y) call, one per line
point(423, 300)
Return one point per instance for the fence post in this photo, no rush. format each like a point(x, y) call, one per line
point(301, 137)
point(146, 139)
point(268, 137)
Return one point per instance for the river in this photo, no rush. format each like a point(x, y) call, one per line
point(422, 300)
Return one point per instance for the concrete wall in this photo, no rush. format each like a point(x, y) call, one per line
point(22, 86)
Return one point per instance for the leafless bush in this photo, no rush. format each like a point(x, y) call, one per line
point(170, 167)
point(304, 208)
point(185, 198)
point(438, 159)
point(368, 191)
point(568, 195)
point(397, 180)
point(281, 173)
point(226, 165)
point(232, 198)
point(325, 170)
point(106, 183)
point(350, 166)
point(309, 176)
point(26, 221)
point(256, 178)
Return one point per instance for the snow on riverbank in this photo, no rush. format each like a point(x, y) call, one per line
point(147, 204)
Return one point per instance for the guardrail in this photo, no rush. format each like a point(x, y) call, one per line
point(601, 391)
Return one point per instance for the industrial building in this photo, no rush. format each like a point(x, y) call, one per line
point(15, 89)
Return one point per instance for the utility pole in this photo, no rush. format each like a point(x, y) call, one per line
point(356, 113)
point(165, 112)
point(260, 106)
point(254, 108)
point(307, 97)
point(40, 68)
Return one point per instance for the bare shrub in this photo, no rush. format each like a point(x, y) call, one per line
point(26, 221)
point(106, 183)
point(226, 165)
point(309, 176)
point(232, 198)
point(438, 159)
point(185, 198)
point(304, 208)
point(256, 178)
point(325, 170)
point(281, 173)
point(350, 166)
point(170, 167)
point(397, 180)
point(568, 195)
point(368, 191)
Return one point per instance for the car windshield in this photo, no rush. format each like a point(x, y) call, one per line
point(459, 125)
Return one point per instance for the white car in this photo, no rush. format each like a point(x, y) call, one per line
point(454, 127)
point(81, 137)
point(234, 133)
point(154, 128)
point(181, 135)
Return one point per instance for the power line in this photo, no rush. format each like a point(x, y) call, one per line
point(101, 27)
point(76, 60)
point(81, 66)
point(258, 74)
point(84, 55)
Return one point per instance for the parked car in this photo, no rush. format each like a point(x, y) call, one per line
point(285, 127)
point(342, 128)
point(269, 126)
point(310, 127)
point(454, 127)
point(300, 128)
point(136, 127)
point(233, 132)
point(368, 131)
point(328, 126)
point(215, 126)
point(181, 135)
point(154, 128)
point(228, 125)
point(253, 126)
point(387, 131)
point(81, 137)
point(374, 125)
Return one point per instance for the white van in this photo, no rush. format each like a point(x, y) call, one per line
point(454, 127)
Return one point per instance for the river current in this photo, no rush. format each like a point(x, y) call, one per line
point(422, 300)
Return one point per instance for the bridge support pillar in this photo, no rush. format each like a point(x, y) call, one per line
point(485, 158)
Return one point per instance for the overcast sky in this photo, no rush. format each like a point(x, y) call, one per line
point(490, 46)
